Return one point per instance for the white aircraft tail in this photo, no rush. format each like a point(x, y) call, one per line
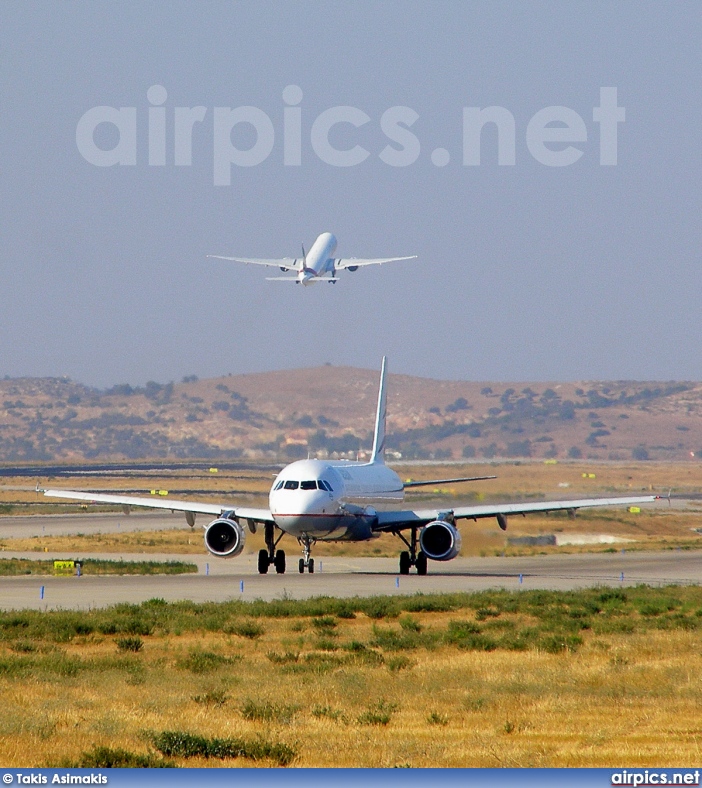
point(378, 452)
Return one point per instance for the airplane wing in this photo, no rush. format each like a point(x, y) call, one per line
point(286, 263)
point(397, 521)
point(409, 484)
point(357, 262)
point(127, 501)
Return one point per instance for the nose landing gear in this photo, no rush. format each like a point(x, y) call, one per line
point(306, 562)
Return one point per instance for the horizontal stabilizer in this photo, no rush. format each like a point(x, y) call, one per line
point(295, 279)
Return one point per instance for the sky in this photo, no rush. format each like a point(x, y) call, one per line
point(525, 271)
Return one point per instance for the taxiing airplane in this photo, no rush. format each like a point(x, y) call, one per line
point(317, 265)
point(325, 500)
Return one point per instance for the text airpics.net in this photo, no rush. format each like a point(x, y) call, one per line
point(646, 777)
point(549, 134)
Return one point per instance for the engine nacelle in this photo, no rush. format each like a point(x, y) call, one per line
point(225, 537)
point(352, 268)
point(440, 541)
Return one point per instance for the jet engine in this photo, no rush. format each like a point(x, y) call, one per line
point(225, 537)
point(352, 268)
point(440, 541)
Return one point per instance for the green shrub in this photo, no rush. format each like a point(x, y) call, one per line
point(245, 629)
point(437, 719)
point(401, 640)
point(361, 654)
point(24, 647)
point(398, 663)
point(380, 607)
point(612, 595)
point(130, 644)
point(283, 659)
point(204, 661)
point(555, 644)
point(410, 624)
point(325, 644)
point(324, 622)
point(138, 626)
point(268, 712)
point(328, 713)
point(212, 698)
point(467, 635)
point(486, 612)
point(115, 758)
point(188, 745)
point(378, 714)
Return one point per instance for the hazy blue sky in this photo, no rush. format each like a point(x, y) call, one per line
point(525, 271)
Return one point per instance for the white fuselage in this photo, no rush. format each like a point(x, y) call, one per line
point(331, 500)
point(319, 260)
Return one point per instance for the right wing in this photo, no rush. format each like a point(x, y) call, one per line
point(286, 263)
point(408, 484)
point(127, 501)
point(357, 262)
point(398, 520)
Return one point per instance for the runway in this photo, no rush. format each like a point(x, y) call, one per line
point(218, 580)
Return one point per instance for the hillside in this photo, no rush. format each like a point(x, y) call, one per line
point(329, 411)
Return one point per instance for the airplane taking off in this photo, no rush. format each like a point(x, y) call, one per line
point(317, 265)
point(332, 500)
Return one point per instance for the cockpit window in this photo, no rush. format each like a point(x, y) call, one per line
point(279, 485)
point(324, 485)
point(308, 485)
point(290, 485)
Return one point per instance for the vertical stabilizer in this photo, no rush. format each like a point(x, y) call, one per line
point(378, 453)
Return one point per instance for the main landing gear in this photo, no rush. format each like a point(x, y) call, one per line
point(306, 562)
point(269, 555)
point(411, 557)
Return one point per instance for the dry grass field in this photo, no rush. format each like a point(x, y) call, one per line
point(592, 678)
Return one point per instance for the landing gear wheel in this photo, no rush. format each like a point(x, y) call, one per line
point(421, 563)
point(279, 562)
point(301, 566)
point(310, 566)
point(263, 562)
point(405, 562)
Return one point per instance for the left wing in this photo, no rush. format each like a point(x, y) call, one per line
point(286, 263)
point(127, 501)
point(357, 262)
point(397, 521)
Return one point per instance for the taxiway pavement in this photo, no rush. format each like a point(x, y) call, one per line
point(219, 580)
